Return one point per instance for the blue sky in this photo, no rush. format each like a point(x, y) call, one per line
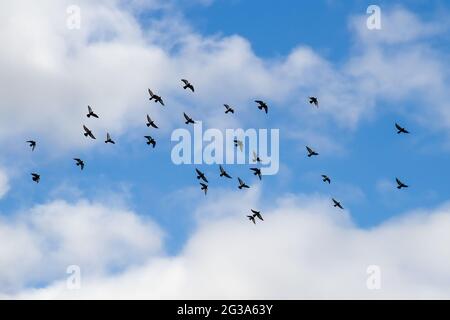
point(360, 150)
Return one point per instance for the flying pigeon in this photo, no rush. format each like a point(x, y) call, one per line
point(400, 129)
point(204, 187)
point(35, 177)
point(88, 132)
point(188, 119)
point(155, 97)
point(32, 144)
point(150, 141)
point(242, 184)
point(256, 172)
point(223, 173)
point(311, 152)
point(201, 175)
point(337, 204)
point(262, 105)
point(150, 122)
point(257, 214)
point(228, 109)
point(238, 143)
point(326, 179)
point(187, 85)
point(80, 163)
point(108, 139)
point(91, 113)
point(400, 184)
point(313, 100)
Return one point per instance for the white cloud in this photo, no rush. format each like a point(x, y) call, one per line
point(4, 183)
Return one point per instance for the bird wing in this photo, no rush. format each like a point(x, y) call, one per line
point(150, 93)
point(91, 135)
point(221, 169)
point(89, 109)
point(399, 182)
point(86, 129)
point(108, 137)
point(259, 102)
point(149, 119)
point(185, 81)
point(199, 172)
point(309, 149)
point(240, 144)
point(186, 117)
point(240, 181)
point(161, 101)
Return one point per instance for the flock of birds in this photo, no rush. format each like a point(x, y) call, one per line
point(237, 143)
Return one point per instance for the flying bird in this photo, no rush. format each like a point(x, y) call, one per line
point(204, 187)
point(313, 100)
point(187, 85)
point(242, 184)
point(188, 119)
point(155, 97)
point(80, 163)
point(257, 214)
point(256, 158)
point(91, 113)
point(150, 141)
point(256, 172)
point(325, 178)
point(400, 129)
point(400, 184)
point(32, 144)
point(228, 109)
point(252, 219)
point(35, 177)
point(223, 173)
point(201, 175)
point(311, 152)
point(88, 132)
point(262, 105)
point(108, 139)
point(150, 122)
point(238, 143)
point(337, 204)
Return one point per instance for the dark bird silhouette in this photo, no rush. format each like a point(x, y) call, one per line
point(252, 219)
point(91, 113)
point(150, 141)
point(108, 139)
point(204, 187)
point(228, 109)
point(400, 129)
point(238, 143)
point(257, 214)
point(325, 178)
point(242, 184)
point(311, 152)
point(256, 172)
point(262, 105)
point(223, 173)
point(337, 204)
point(80, 163)
point(187, 85)
point(201, 175)
point(155, 97)
point(188, 119)
point(313, 100)
point(150, 122)
point(35, 177)
point(32, 144)
point(400, 184)
point(256, 158)
point(88, 132)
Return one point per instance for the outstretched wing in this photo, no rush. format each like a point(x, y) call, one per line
point(185, 81)
point(89, 109)
point(309, 150)
point(186, 117)
point(398, 127)
point(150, 92)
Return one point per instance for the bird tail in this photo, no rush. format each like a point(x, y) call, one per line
point(148, 124)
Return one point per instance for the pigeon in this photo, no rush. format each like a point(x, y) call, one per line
point(313, 100)
point(155, 97)
point(400, 129)
point(201, 175)
point(337, 204)
point(223, 173)
point(91, 113)
point(108, 139)
point(262, 105)
point(35, 177)
point(239, 143)
point(88, 132)
point(150, 141)
point(204, 187)
point(32, 144)
point(242, 184)
point(252, 219)
point(256, 158)
point(257, 214)
point(150, 122)
point(326, 179)
point(311, 152)
point(187, 85)
point(400, 184)
point(228, 109)
point(188, 119)
point(256, 172)
point(80, 163)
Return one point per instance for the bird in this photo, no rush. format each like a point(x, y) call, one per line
point(313, 100)
point(91, 113)
point(150, 141)
point(88, 132)
point(201, 175)
point(337, 204)
point(400, 184)
point(242, 184)
point(228, 109)
point(326, 179)
point(32, 144)
point(256, 172)
point(252, 219)
point(36, 177)
point(150, 122)
point(238, 143)
point(223, 173)
point(187, 85)
point(108, 139)
point(400, 129)
point(257, 214)
point(256, 158)
point(311, 152)
point(188, 119)
point(80, 163)
point(155, 97)
point(262, 105)
point(204, 187)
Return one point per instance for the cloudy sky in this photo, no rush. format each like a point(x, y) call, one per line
point(137, 225)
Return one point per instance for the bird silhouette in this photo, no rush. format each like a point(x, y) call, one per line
point(108, 139)
point(223, 173)
point(242, 184)
point(88, 132)
point(228, 109)
point(313, 100)
point(400, 129)
point(201, 175)
point(257, 214)
point(204, 187)
point(256, 172)
point(256, 158)
point(311, 152)
point(325, 178)
point(238, 143)
point(400, 185)
point(155, 97)
point(91, 113)
point(32, 144)
point(337, 204)
point(262, 105)
point(35, 177)
point(79, 163)
point(187, 85)
point(150, 122)
point(150, 141)
point(188, 119)
point(252, 219)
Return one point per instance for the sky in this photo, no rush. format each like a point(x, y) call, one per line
point(138, 225)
